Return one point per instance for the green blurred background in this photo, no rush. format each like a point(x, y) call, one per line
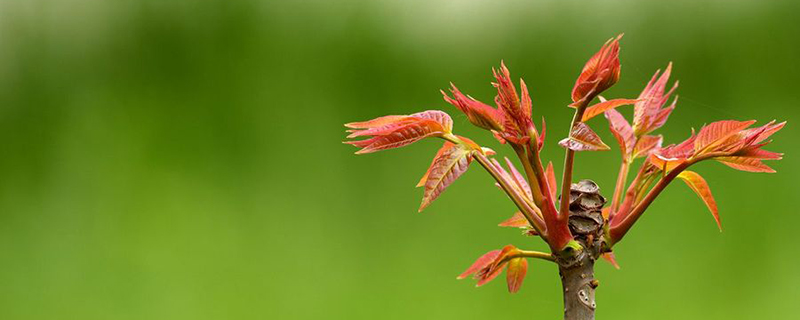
point(183, 159)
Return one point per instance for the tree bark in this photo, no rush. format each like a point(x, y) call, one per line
point(577, 268)
point(578, 285)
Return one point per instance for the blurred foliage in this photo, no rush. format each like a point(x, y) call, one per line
point(182, 159)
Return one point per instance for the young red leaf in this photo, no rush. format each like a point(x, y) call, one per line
point(374, 123)
point(494, 269)
point(760, 154)
point(646, 144)
point(745, 164)
point(482, 262)
point(582, 138)
point(604, 106)
point(518, 220)
point(517, 268)
point(715, 133)
point(436, 115)
point(542, 134)
point(507, 98)
point(446, 168)
point(609, 256)
point(663, 163)
point(400, 137)
point(551, 180)
point(621, 130)
point(447, 145)
point(478, 113)
point(700, 187)
point(600, 72)
point(526, 104)
point(397, 131)
point(647, 114)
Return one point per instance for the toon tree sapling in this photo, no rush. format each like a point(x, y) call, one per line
point(573, 220)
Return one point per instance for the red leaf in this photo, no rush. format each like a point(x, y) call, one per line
point(712, 135)
point(760, 154)
point(446, 168)
point(582, 138)
point(401, 136)
point(494, 269)
point(700, 187)
point(604, 106)
point(600, 72)
point(396, 131)
point(551, 180)
point(482, 262)
point(527, 104)
point(518, 220)
point(517, 118)
point(517, 268)
point(647, 144)
point(609, 256)
point(621, 130)
point(542, 134)
point(377, 122)
point(436, 115)
point(383, 129)
point(647, 114)
point(478, 113)
point(745, 164)
point(447, 145)
point(663, 163)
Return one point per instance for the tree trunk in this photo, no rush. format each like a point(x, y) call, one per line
point(578, 285)
point(577, 268)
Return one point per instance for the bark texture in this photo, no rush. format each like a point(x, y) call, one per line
point(577, 269)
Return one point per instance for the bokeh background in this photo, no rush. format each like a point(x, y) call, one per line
point(183, 159)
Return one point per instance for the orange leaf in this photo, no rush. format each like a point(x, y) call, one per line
point(621, 130)
point(436, 115)
point(713, 134)
point(482, 262)
point(551, 180)
point(663, 163)
point(494, 269)
point(604, 106)
point(397, 131)
point(517, 268)
point(399, 137)
point(582, 138)
point(700, 187)
point(600, 72)
point(518, 220)
point(478, 113)
point(647, 113)
point(446, 168)
point(745, 164)
point(374, 123)
point(447, 145)
point(609, 256)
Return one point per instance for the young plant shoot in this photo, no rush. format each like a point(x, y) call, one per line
point(574, 221)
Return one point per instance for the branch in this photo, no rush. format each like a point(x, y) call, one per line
point(618, 230)
point(527, 210)
point(569, 158)
point(618, 190)
point(537, 255)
